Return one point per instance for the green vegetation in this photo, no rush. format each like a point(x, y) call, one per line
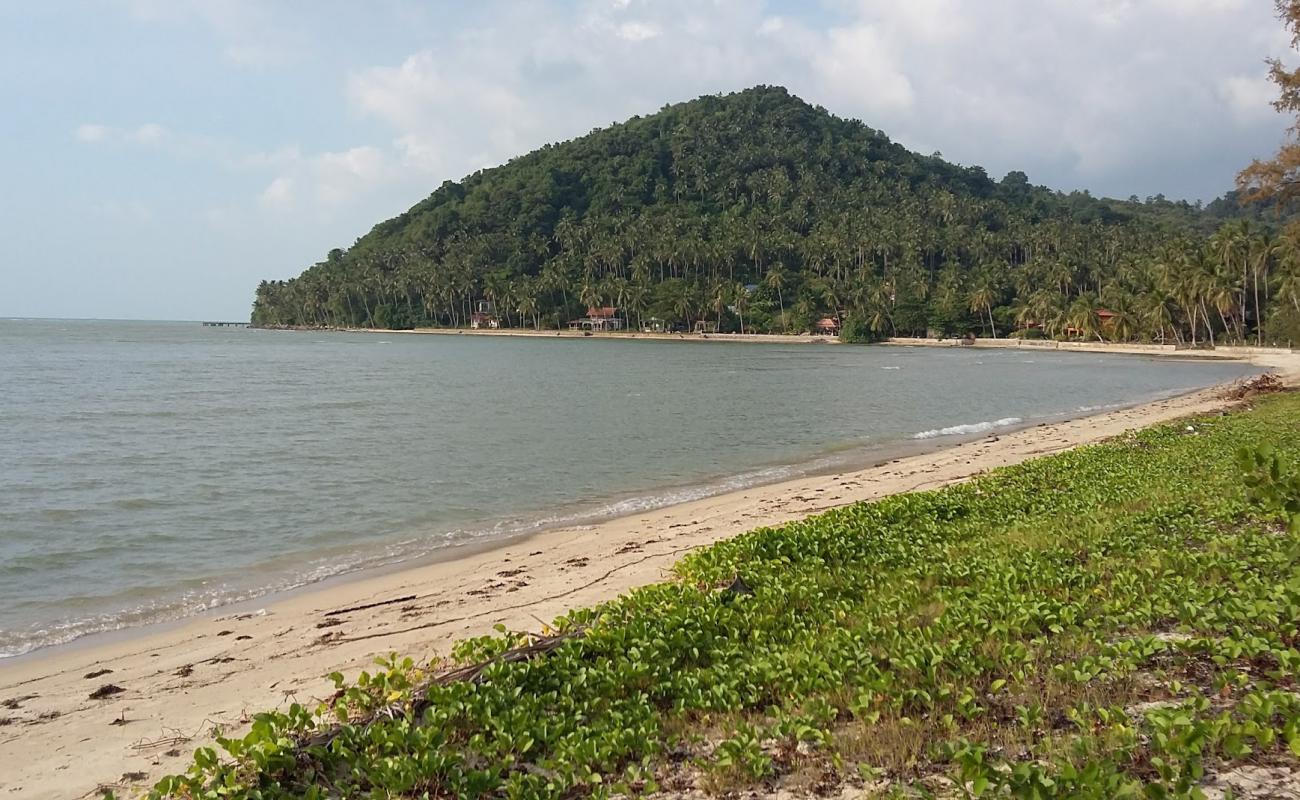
point(758, 211)
point(1115, 621)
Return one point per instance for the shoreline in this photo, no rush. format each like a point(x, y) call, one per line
point(180, 679)
point(1230, 352)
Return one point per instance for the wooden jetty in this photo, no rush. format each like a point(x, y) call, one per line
point(226, 324)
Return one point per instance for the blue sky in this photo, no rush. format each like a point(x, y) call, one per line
point(163, 156)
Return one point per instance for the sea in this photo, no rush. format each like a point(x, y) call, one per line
point(155, 470)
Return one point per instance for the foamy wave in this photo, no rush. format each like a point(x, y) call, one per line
point(1103, 407)
point(974, 427)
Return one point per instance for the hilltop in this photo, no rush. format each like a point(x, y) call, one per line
point(758, 210)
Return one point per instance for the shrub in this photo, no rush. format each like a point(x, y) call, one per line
point(855, 330)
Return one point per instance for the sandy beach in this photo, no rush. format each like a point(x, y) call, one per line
point(163, 691)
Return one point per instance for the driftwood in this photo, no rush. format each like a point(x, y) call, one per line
point(1268, 383)
point(470, 673)
point(539, 646)
point(350, 609)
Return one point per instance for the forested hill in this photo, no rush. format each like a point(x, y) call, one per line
point(756, 209)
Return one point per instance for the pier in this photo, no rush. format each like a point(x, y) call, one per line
point(226, 324)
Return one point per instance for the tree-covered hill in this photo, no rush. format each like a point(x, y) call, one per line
point(758, 211)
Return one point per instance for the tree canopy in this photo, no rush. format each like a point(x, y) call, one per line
point(758, 210)
point(1278, 179)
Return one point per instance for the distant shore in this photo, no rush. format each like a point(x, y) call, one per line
point(166, 688)
point(766, 338)
point(1235, 352)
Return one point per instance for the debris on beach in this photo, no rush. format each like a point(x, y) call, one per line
point(1268, 383)
point(107, 690)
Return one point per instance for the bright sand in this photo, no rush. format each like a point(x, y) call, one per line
point(180, 681)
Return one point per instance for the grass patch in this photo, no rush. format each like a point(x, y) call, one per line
point(1111, 621)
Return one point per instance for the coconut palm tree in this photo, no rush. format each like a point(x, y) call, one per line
point(776, 279)
point(983, 295)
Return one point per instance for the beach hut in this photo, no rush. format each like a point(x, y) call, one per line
point(705, 326)
point(827, 326)
point(604, 318)
point(653, 325)
point(484, 315)
point(598, 319)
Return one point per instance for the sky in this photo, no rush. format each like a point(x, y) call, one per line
point(160, 157)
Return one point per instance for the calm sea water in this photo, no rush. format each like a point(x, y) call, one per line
point(153, 470)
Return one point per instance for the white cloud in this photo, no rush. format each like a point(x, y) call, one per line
point(637, 31)
point(1248, 97)
point(1199, 8)
point(278, 194)
point(444, 122)
point(323, 182)
point(932, 21)
point(91, 132)
point(859, 70)
point(250, 32)
point(149, 134)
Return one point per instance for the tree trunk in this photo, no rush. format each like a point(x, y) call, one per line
point(1259, 328)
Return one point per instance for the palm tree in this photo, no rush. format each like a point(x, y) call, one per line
point(776, 280)
point(679, 299)
point(720, 293)
point(554, 277)
point(983, 295)
point(1083, 317)
point(1267, 246)
point(1288, 288)
point(525, 294)
point(589, 294)
point(637, 297)
point(740, 301)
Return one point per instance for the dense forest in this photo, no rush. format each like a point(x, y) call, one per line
point(758, 212)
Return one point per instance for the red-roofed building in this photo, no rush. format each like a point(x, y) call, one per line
point(485, 315)
point(828, 326)
point(603, 318)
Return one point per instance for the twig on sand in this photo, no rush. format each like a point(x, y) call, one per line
point(336, 612)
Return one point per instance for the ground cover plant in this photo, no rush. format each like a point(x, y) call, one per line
point(1115, 621)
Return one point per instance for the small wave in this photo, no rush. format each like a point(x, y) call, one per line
point(62, 514)
point(891, 367)
point(974, 427)
point(138, 503)
point(1103, 407)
